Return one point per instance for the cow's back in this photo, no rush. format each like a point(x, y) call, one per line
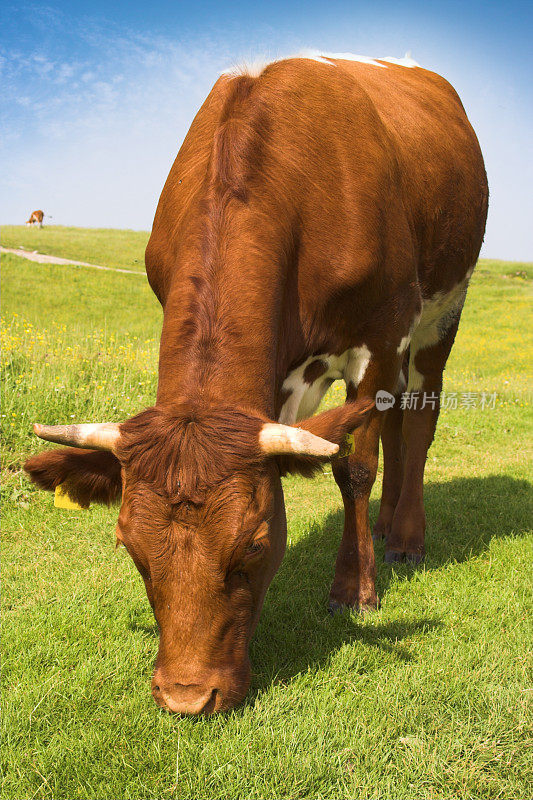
point(374, 171)
point(385, 142)
point(441, 165)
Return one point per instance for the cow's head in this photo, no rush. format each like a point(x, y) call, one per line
point(203, 518)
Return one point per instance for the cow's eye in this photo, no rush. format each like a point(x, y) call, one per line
point(255, 548)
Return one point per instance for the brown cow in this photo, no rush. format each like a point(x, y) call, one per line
point(321, 221)
point(36, 218)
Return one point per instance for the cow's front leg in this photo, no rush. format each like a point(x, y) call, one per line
point(391, 440)
point(354, 583)
point(355, 569)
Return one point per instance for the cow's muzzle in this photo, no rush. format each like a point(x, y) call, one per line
point(219, 691)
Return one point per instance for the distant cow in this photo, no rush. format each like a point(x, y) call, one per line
point(36, 218)
point(321, 221)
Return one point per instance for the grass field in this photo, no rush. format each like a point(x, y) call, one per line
point(428, 698)
point(104, 246)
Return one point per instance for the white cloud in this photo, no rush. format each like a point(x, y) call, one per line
point(99, 136)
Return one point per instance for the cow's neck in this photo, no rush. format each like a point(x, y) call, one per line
point(221, 332)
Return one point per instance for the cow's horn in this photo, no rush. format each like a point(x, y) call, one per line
point(276, 439)
point(97, 435)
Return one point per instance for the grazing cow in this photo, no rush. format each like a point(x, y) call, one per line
point(36, 218)
point(321, 221)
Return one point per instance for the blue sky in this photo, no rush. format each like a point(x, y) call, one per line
point(97, 96)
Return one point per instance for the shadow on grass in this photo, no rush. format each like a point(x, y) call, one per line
point(296, 633)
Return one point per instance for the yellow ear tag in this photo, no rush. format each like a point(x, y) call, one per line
point(348, 446)
point(62, 500)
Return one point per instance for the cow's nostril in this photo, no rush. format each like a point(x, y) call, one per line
point(191, 698)
point(211, 703)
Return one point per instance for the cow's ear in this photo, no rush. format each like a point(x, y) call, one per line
point(86, 475)
point(333, 425)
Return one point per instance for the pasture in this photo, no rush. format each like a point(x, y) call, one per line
point(430, 697)
point(110, 248)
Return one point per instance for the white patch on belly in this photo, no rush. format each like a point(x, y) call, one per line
point(405, 340)
point(304, 398)
point(404, 344)
point(438, 315)
point(358, 361)
point(295, 384)
point(401, 384)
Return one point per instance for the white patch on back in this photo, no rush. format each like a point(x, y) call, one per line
point(438, 315)
point(305, 398)
point(406, 61)
point(251, 68)
point(255, 68)
point(327, 58)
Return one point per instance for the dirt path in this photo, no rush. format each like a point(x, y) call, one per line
point(41, 258)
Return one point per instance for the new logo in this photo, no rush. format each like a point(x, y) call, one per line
point(384, 400)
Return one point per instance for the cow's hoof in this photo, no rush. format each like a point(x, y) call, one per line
point(334, 607)
point(392, 557)
point(367, 608)
point(414, 558)
point(378, 533)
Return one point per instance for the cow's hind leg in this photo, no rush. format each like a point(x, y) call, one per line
point(406, 537)
point(393, 456)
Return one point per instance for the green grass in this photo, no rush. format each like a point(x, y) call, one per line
point(428, 698)
point(104, 246)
